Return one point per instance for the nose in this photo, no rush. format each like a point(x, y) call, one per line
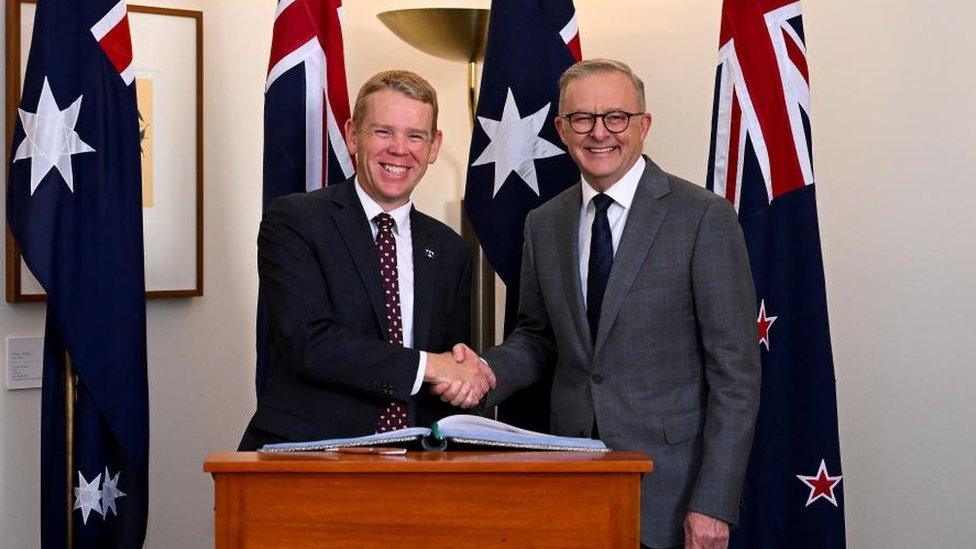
point(398, 144)
point(599, 130)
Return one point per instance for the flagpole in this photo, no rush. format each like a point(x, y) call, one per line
point(472, 90)
point(69, 440)
point(486, 278)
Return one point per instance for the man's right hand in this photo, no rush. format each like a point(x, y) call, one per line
point(459, 377)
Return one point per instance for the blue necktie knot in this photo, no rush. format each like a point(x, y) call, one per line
point(602, 202)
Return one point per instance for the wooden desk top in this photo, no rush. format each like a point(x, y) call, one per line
point(429, 462)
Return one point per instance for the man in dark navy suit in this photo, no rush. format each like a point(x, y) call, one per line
point(366, 295)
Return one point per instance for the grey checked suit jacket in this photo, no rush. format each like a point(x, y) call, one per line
point(674, 371)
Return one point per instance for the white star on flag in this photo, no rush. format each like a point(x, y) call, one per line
point(515, 144)
point(110, 492)
point(88, 497)
point(50, 138)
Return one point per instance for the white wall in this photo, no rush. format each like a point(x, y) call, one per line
point(20, 425)
point(895, 125)
point(892, 116)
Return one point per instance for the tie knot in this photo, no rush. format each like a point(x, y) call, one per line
point(602, 202)
point(385, 222)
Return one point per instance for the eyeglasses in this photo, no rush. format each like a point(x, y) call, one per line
point(613, 121)
point(386, 134)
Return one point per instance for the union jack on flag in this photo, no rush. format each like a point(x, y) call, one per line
point(761, 161)
point(306, 106)
point(767, 115)
point(306, 101)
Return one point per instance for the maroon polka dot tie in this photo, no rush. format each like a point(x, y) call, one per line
point(395, 415)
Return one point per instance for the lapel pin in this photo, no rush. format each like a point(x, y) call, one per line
point(429, 253)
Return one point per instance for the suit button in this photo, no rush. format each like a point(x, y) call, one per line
point(597, 379)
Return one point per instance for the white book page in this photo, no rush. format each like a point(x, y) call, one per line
point(483, 424)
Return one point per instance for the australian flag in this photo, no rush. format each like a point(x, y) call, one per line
point(517, 161)
point(74, 205)
point(306, 106)
point(761, 161)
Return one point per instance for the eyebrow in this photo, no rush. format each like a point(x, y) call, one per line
point(611, 109)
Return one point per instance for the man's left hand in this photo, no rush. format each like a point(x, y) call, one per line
point(460, 392)
point(705, 532)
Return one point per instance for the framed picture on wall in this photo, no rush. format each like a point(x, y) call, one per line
point(167, 49)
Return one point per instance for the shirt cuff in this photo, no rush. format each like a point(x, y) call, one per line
point(421, 372)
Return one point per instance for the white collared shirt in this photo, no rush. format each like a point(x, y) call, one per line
point(622, 193)
point(404, 246)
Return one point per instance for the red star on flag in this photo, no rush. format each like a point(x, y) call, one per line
point(764, 324)
point(822, 485)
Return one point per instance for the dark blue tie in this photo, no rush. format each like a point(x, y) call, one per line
point(601, 259)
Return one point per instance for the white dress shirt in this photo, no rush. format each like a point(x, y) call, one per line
point(404, 246)
point(622, 193)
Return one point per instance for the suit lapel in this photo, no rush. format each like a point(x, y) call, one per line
point(645, 218)
point(567, 230)
point(354, 229)
point(426, 258)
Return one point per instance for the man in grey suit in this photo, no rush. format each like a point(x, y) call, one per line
point(636, 285)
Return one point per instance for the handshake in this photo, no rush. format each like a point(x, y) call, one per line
point(459, 377)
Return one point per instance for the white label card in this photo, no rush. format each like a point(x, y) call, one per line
point(25, 362)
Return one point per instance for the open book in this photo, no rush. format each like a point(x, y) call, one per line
point(461, 429)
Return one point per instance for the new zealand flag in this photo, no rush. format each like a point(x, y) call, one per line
point(74, 205)
point(761, 161)
point(306, 105)
point(516, 160)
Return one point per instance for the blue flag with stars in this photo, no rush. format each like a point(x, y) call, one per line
point(517, 161)
point(761, 161)
point(74, 205)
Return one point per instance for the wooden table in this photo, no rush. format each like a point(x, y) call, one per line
point(424, 499)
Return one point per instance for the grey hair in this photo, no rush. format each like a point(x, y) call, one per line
point(594, 66)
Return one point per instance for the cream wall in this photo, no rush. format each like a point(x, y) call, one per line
point(892, 114)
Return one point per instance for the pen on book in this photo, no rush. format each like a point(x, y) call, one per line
point(381, 450)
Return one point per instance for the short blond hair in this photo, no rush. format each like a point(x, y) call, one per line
point(408, 83)
point(593, 66)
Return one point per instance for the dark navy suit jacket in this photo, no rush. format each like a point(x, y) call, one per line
point(320, 278)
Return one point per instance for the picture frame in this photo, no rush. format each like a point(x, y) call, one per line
point(167, 48)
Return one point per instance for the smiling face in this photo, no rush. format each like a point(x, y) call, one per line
point(394, 142)
point(603, 157)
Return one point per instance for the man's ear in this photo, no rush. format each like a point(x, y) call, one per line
point(645, 124)
point(352, 137)
point(435, 147)
point(561, 128)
